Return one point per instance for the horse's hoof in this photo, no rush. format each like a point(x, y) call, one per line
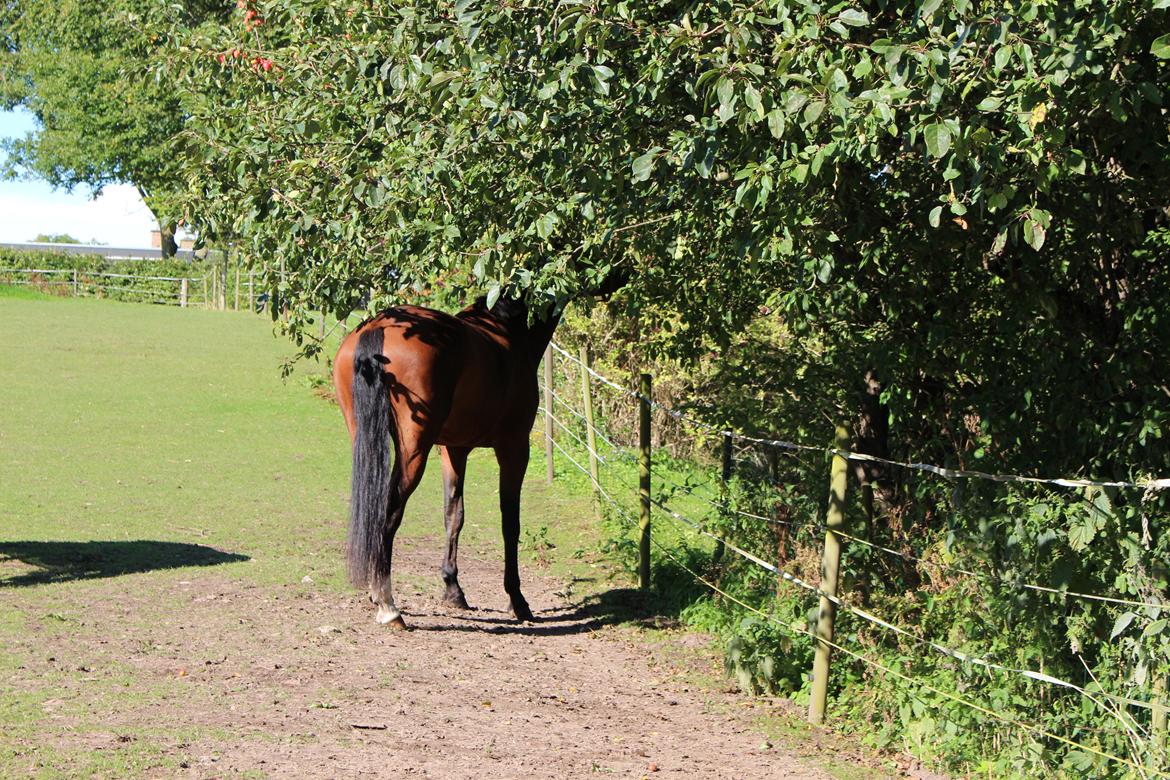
point(396, 623)
point(391, 618)
point(523, 613)
point(456, 601)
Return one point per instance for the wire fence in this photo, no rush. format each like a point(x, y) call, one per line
point(1145, 737)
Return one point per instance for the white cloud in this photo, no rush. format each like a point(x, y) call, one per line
point(118, 217)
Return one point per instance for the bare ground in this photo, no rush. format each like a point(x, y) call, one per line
point(296, 681)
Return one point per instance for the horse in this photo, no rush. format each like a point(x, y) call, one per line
point(411, 378)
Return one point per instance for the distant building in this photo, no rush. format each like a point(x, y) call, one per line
point(156, 241)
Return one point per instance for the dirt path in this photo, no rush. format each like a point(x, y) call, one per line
point(294, 682)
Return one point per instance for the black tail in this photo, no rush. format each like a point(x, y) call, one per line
point(374, 436)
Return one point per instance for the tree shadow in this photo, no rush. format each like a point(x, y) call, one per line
point(38, 563)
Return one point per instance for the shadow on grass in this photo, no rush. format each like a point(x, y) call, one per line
point(68, 561)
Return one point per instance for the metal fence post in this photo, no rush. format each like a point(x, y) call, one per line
point(548, 420)
point(830, 566)
point(590, 434)
point(644, 482)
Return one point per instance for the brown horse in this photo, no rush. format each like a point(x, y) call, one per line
point(411, 378)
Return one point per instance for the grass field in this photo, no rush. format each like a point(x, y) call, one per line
point(134, 439)
point(166, 499)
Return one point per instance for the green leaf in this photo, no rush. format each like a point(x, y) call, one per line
point(813, 111)
point(935, 216)
point(938, 139)
point(1002, 56)
point(643, 165)
point(547, 224)
point(725, 90)
point(1160, 48)
point(751, 96)
point(1122, 623)
point(1154, 628)
point(1034, 233)
point(1081, 535)
point(928, 7)
point(854, 17)
point(776, 123)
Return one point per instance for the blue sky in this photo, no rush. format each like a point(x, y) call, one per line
point(118, 217)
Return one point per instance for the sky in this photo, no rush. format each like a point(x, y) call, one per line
point(118, 217)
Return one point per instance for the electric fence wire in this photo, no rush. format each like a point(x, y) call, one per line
point(596, 430)
point(999, 578)
point(990, 576)
point(1144, 484)
point(793, 630)
point(568, 430)
point(871, 618)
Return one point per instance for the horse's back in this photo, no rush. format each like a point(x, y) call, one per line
point(458, 378)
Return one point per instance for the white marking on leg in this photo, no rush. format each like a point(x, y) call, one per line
point(387, 611)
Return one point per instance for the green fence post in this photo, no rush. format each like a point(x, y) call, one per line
point(590, 435)
point(548, 420)
point(830, 566)
point(644, 482)
point(724, 480)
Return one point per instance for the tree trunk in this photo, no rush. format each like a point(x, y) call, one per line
point(167, 234)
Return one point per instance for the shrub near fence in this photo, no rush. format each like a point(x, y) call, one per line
point(205, 283)
point(57, 273)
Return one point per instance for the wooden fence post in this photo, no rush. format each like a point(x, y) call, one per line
point(644, 482)
point(223, 278)
point(237, 284)
point(183, 293)
point(75, 288)
point(724, 479)
point(590, 435)
point(1158, 723)
point(206, 300)
point(283, 305)
point(830, 566)
point(251, 292)
point(548, 420)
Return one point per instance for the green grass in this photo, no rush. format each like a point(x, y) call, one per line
point(22, 292)
point(137, 438)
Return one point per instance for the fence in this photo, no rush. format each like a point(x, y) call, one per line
point(215, 288)
point(569, 427)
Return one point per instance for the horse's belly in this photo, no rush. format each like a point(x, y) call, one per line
point(487, 416)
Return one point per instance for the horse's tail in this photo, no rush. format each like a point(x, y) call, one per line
point(375, 439)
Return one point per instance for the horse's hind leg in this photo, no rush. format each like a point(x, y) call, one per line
point(513, 462)
point(412, 460)
point(454, 466)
